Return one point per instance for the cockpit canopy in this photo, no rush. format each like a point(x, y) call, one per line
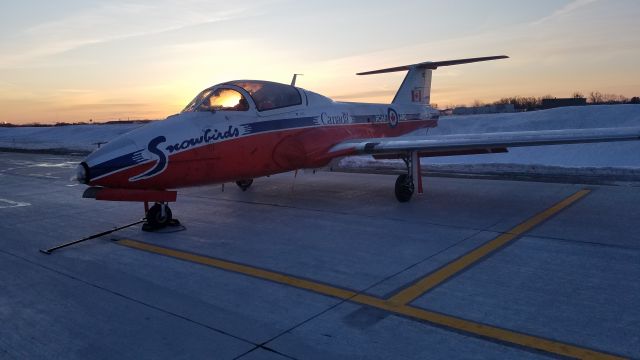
point(266, 95)
point(270, 95)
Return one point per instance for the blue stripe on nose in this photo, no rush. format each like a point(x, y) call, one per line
point(117, 163)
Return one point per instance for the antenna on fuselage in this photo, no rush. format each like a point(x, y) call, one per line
point(295, 77)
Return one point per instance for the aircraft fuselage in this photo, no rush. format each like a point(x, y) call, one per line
point(208, 147)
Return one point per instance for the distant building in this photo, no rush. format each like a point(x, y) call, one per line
point(486, 109)
point(554, 103)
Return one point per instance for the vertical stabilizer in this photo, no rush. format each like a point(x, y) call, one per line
point(416, 87)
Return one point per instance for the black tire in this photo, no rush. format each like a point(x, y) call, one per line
point(244, 184)
point(155, 219)
point(404, 188)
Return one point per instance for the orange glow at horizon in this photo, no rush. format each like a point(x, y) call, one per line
point(148, 62)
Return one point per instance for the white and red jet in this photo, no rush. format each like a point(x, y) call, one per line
point(241, 130)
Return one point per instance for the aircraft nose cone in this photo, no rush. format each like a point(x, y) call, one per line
point(82, 173)
point(116, 155)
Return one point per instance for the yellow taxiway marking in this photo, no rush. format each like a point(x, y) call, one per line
point(486, 331)
point(242, 269)
point(439, 276)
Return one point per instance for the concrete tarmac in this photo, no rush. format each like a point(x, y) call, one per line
point(320, 266)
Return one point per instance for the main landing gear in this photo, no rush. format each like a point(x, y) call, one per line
point(405, 183)
point(158, 217)
point(404, 188)
point(244, 184)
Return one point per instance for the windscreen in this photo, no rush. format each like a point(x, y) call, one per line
point(197, 100)
point(220, 99)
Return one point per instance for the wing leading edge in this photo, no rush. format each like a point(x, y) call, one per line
point(464, 142)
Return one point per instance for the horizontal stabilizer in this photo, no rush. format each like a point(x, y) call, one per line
point(432, 65)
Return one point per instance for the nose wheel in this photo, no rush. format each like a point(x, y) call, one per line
point(244, 184)
point(158, 217)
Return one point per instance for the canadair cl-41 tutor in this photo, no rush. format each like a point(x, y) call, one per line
point(240, 130)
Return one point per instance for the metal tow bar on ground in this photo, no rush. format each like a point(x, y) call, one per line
point(51, 250)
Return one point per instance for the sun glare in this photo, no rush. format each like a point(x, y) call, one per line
point(226, 98)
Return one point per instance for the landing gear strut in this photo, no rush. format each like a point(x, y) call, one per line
point(405, 182)
point(244, 184)
point(158, 217)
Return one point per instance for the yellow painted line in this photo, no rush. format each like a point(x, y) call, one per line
point(242, 269)
point(487, 331)
point(437, 277)
point(447, 321)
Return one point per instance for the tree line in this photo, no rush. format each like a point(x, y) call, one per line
point(37, 124)
point(528, 103)
point(594, 98)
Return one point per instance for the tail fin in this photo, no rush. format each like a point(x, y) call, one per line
point(416, 87)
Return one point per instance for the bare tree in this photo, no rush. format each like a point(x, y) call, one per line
point(596, 97)
point(614, 99)
point(477, 103)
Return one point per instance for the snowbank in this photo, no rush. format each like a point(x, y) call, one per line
point(71, 138)
point(612, 154)
point(577, 117)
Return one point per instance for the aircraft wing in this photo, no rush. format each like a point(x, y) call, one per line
point(463, 144)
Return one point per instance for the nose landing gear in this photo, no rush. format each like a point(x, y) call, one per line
point(244, 184)
point(158, 217)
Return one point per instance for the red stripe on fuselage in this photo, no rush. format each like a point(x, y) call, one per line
point(254, 156)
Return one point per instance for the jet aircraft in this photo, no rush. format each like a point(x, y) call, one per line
point(241, 130)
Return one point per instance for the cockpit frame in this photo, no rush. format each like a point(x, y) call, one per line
point(277, 96)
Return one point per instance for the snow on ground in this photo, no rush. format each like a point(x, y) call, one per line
point(618, 154)
point(577, 117)
point(73, 138)
point(617, 159)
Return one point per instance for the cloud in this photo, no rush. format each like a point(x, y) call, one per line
point(7, 84)
point(567, 9)
point(107, 106)
point(365, 94)
point(112, 22)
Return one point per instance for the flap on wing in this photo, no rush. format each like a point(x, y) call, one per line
point(399, 155)
point(462, 142)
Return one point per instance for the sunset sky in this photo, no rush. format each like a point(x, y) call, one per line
point(75, 60)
